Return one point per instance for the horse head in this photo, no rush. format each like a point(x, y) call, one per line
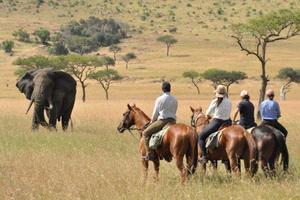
point(198, 118)
point(128, 119)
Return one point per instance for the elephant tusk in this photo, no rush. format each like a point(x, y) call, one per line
point(30, 104)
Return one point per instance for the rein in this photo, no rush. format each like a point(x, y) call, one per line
point(140, 130)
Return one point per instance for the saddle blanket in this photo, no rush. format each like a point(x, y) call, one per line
point(249, 130)
point(212, 142)
point(157, 138)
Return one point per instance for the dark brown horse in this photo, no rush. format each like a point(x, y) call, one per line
point(180, 140)
point(234, 144)
point(269, 147)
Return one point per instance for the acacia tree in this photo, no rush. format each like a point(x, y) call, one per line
point(169, 40)
point(128, 57)
point(108, 61)
point(262, 31)
point(82, 67)
point(105, 78)
point(115, 49)
point(226, 78)
point(289, 75)
point(195, 78)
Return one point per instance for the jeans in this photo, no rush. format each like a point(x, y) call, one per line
point(274, 123)
point(210, 128)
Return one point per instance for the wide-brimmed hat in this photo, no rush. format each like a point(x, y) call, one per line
point(221, 91)
point(244, 93)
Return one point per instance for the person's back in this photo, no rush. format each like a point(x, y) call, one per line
point(270, 112)
point(246, 110)
point(167, 106)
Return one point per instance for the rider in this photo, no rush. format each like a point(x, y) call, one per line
point(246, 110)
point(270, 112)
point(164, 113)
point(219, 110)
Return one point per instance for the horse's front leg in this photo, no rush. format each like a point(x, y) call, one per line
point(145, 162)
point(156, 168)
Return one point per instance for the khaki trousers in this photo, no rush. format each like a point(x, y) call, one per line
point(154, 128)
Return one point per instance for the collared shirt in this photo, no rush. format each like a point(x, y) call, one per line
point(165, 107)
point(246, 109)
point(269, 110)
point(220, 112)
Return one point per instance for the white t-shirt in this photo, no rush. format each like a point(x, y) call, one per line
point(165, 107)
point(219, 112)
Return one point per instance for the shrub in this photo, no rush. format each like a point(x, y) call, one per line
point(7, 46)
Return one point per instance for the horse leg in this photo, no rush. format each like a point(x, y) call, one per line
point(264, 166)
point(156, 168)
point(145, 166)
point(181, 168)
point(214, 164)
point(227, 166)
point(233, 160)
point(272, 161)
point(189, 162)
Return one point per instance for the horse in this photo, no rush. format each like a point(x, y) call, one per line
point(269, 147)
point(234, 144)
point(179, 140)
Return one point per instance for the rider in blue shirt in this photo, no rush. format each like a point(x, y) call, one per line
point(270, 112)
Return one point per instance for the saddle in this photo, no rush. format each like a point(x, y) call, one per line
point(212, 142)
point(157, 138)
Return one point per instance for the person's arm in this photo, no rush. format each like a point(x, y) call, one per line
point(211, 109)
point(236, 112)
point(155, 111)
point(278, 110)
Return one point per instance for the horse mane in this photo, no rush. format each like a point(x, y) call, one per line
point(141, 112)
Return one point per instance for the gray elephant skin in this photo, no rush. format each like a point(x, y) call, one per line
point(52, 91)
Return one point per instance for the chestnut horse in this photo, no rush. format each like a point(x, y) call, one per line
point(180, 140)
point(234, 144)
point(269, 147)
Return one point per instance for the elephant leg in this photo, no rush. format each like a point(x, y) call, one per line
point(66, 110)
point(53, 117)
point(35, 124)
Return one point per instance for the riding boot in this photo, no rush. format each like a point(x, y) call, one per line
point(151, 154)
point(203, 158)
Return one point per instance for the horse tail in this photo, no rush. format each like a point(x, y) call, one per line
point(253, 153)
point(284, 152)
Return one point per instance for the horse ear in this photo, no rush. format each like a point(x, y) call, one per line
point(192, 109)
point(129, 107)
point(200, 109)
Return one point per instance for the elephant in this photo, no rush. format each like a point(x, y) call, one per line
point(52, 91)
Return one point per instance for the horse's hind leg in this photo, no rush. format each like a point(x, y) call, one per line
point(234, 164)
point(181, 168)
point(145, 166)
point(156, 168)
point(265, 167)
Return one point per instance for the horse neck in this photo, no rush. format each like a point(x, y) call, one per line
point(141, 119)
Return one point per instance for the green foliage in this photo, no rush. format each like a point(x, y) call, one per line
point(38, 62)
point(43, 35)
point(127, 57)
point(289, 74)
point(88, 35)
point(109, 74)
point(81, 45)
point(218, 76)
point(21, 35)
point(108, 61)
point(272, 23)
point(167, 39)
point(191, 74)
point(115, 48)
point(7, 46)
point(105, 78)
point(58, 48)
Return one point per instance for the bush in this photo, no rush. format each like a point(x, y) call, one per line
point(7, 46)
point(43, 35)
point(21, 35)
point(58, 49)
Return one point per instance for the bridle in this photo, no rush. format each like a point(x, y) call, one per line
point(130, 128)
point(194, 120)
